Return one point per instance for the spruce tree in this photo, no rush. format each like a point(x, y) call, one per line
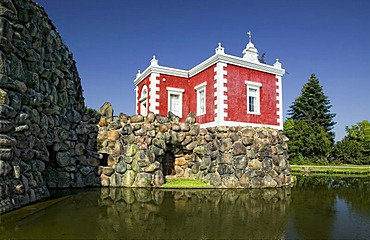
point(313, 107)
point(307, 143)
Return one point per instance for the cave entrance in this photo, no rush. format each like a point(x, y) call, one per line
point(169, 164)
point(104, 159)
point(52, 156)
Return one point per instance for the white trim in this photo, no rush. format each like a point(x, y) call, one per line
point(279, 98)
point(233, 60)
point(163, 70)
point(137, 97)
point(239, 124)
point(144, 101)
point(199, 86)
point(253, 84)
point(198, 89)
point(153, 96)
point(256, 86)
point(216, 58)
point(175, 91)
point(220, 91)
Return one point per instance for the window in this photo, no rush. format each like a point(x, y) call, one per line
point(175, 101)
point(144, 101)
point(201, 98)
point(253, 97)
point(175, 104)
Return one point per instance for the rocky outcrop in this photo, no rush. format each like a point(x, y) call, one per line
point(106, 112)
point(141, 151)
point(46, 137)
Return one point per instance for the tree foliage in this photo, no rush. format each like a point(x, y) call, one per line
point(355, 146)
point(262, 58)
point(310, 126)
point(313, 107)
point(307, 143)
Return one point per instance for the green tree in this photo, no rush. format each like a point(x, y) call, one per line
point(354, 148)
point(313, 106)
point(364, 129)
point(307, 143)
point(348, 151)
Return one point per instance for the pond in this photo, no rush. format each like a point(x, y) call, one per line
point(317, 207)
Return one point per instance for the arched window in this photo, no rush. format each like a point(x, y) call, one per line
point(144, 101)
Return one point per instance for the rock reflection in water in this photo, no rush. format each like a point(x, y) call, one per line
point(155, 213)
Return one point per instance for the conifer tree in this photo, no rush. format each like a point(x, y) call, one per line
point(307, 143)
point(313, 107)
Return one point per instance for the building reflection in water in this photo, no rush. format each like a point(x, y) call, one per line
point(156, 213)
point(317, 207)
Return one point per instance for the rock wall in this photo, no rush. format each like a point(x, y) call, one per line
point(47, 138)
point(141, 152)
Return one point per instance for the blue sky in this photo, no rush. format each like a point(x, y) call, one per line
point(112, 39)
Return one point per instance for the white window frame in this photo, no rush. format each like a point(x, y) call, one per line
point(199, 88)
point(256, 86)
point(144, 101)
point(175, 91)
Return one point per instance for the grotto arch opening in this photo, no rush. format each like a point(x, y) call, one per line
point(167, 166)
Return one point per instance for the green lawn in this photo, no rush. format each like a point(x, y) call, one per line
point(339, 169)
point(185, 183)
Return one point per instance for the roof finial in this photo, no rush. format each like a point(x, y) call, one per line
point(220, 49)
point(277, 64)
point(138, 73)
point(249, 36)
point(154, 61)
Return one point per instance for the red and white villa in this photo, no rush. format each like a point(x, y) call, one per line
point(223, 90)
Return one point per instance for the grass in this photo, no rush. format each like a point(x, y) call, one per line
point(185, 183)
point(352, 175)
point(338, 169)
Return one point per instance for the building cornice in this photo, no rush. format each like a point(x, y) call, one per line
point(229, 59)
point(161, 70)
point(218, 57)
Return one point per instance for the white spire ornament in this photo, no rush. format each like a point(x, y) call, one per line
point(250, 53)
point(138, 74)
point(249, 36)
point(220, 49)
point(154, 62)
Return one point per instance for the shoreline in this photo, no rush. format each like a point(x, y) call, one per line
point(336, 169)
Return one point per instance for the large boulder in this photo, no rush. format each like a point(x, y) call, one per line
point(106, 110)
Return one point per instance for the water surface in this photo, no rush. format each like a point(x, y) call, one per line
point(318, 207)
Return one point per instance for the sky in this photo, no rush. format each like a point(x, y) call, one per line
point(112, 39)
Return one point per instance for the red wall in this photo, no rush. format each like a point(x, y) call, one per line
point(236, 95)
point(205, 76)
point(174, 82)
point(237, 91)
